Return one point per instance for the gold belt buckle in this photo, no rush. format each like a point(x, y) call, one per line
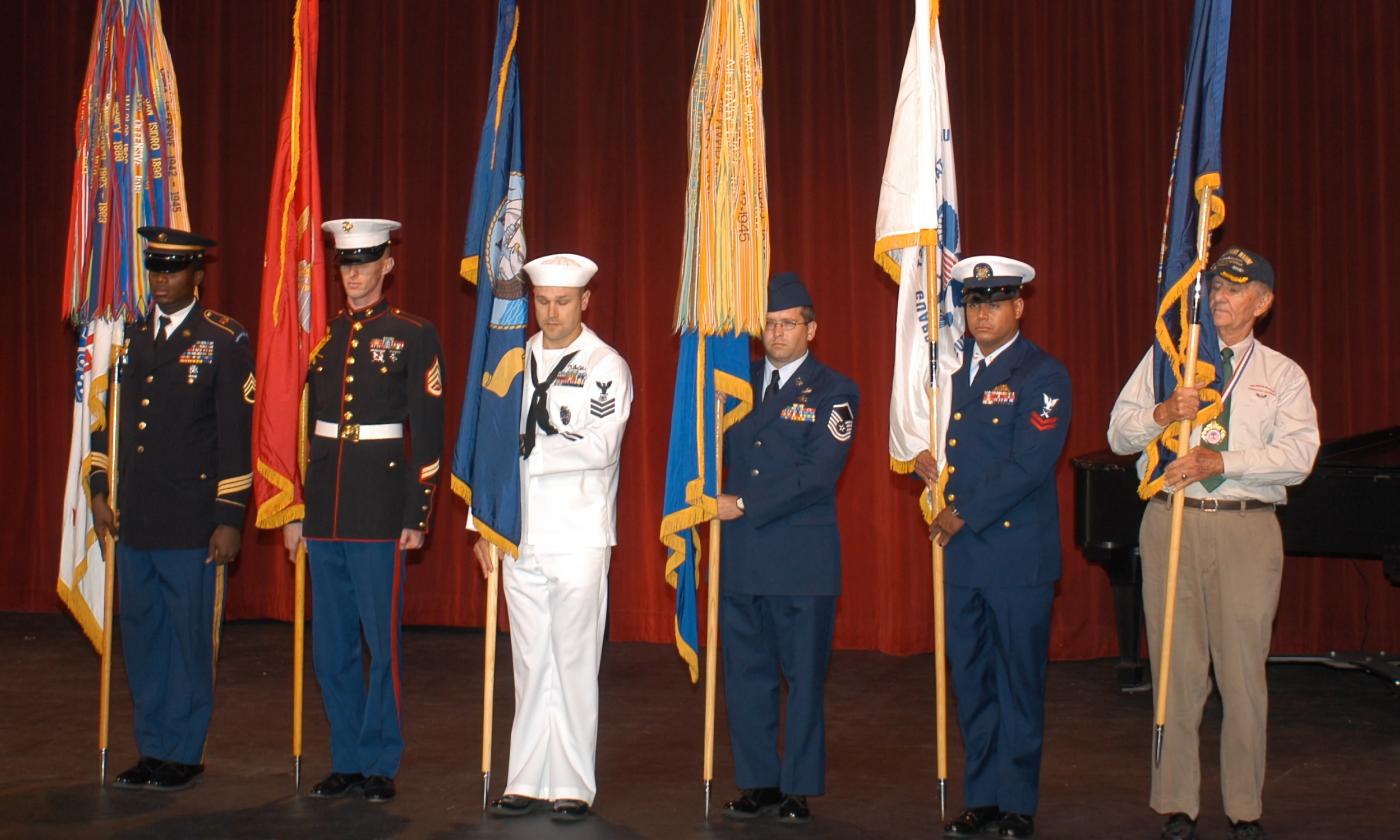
point(350, 432)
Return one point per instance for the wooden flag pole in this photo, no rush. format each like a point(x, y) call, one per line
point(488, 682)
point(1164, 665)
point(940, 635)
point(298, 660)
point(712, 610)
point(109, 561)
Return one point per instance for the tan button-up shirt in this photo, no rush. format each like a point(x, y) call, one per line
point(1273, 437)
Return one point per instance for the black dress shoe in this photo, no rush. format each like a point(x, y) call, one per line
point(337, 785)
point(793, 810)
point(753, 803)
point(1247, 830)
point(137, 777)
point(514, 805)
point(1179, 826)
point(974, 821)
point(568, 810)
point(1016, 825)
point(379, 789)
point(171, 776)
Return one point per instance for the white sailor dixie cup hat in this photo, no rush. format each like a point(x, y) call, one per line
point(360, 240)
point(992, 278)
point(569, 271)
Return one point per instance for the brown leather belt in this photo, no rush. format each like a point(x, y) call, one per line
point(1212, 505)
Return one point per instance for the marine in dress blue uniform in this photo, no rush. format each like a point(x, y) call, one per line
point(184, 479)
point(1001, 527)
point(780, 571)
point(374, 385)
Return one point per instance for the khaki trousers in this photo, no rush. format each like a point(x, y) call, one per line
point(1228, 577)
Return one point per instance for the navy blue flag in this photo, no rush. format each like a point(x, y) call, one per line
point(485, 466)
point(1182, 296)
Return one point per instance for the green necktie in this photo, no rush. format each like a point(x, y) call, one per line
point(1227, 369)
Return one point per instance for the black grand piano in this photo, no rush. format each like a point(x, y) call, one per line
point(1348, 507)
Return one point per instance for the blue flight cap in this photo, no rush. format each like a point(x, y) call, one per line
point(785, 291)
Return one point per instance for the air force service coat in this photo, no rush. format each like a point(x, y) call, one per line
point(1005, 432)
point(783, 459)
point(377, 365)
point(186, 419)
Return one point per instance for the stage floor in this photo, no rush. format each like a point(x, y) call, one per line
point(1334, 762)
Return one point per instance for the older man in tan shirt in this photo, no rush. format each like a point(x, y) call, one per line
point(1231, 561)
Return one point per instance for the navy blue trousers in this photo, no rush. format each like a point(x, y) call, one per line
point(171, 606)
point(768, 638)
point(998, 645)
point(357, 596)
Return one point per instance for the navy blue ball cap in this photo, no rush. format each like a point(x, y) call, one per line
point(169, 250)
point(786, 291)
point(1240, 265)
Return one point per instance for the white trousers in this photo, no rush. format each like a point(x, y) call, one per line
point(558, 605)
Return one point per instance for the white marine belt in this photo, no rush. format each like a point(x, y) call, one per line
point(359, 431)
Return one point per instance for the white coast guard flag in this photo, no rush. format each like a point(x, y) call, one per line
point(81, 569)
point(918, 208)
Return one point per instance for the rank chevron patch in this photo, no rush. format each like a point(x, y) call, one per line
point(602, 405)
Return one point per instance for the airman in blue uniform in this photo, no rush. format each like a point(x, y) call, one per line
point(184, 476)
point(1001, 528)
point(780, 571)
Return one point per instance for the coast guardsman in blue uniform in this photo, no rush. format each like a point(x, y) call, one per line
point(184, 477)
point(374, 379)
point(781, 561)
point(1001, 528)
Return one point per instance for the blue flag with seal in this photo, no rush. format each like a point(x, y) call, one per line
point(1183, 298)
point(485, 466)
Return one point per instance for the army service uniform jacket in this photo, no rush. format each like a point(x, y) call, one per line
point(185, 438)
point(569, 481)
point(783, 459)
point(1005, 433)
point(377, 366)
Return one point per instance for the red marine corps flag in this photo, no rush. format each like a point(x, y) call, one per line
point(293, 313)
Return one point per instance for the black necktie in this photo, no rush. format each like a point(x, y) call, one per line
point(772, 387)
point(160, 330)
point(980, 369)
point(539, 405)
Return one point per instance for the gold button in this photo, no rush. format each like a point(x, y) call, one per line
point(350, 361)
point(1006, 523)
point(349, 397)
point(952, 496)
point(957, 415)
point(145, 401)
point(350, 378)
point(425, 507)
point(397, 311)
point(952, 469)
point(203, 476)
point(427, 489)
point(141, 425)
point(140, 449)
point(422, 524)
point(358, 326)
point(952, 441)
point(392, 464)
point(150, 378)
point(753, 471)
point(319, 368)
point(354, 342)
point(996, 420)
point(348, 415)
point(383, 369)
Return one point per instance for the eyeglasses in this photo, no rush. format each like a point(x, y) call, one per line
point(784, 325)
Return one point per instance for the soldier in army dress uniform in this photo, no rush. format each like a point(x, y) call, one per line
point(185, 475)
point(1001, 525)
point(375, 425)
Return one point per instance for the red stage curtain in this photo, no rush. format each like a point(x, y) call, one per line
point(1064, 114)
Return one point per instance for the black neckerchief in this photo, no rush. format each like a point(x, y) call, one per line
point(539, 408)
